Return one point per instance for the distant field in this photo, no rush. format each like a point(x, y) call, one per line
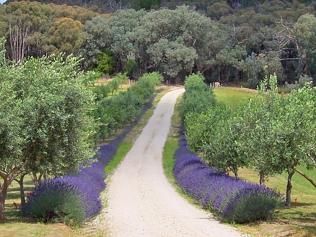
point(300, 220)
point(233, 96)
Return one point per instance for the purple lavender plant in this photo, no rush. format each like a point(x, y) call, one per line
point(233, 199)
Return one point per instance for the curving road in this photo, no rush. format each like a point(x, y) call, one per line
point(141, 202)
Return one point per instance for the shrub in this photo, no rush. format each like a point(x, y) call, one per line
point(55, 199)
point(198, 96)
point(130, 67)
point(105, 63)
point(232, 199)
point(116, 111)
point(72, 198)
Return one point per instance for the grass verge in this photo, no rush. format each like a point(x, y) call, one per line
point(170, 148)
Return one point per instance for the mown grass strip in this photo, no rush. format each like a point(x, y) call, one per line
point(170, 148)
point(122, 150)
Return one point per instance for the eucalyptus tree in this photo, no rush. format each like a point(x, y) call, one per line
point(65, 36)
point(305, 31)
point(97, 40)
point(174, 42)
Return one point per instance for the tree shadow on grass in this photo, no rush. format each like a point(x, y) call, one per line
point(26, 189)
point(302, 204)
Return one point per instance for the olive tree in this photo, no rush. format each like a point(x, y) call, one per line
point(45, 122)
point(278, 132)
point(256, 137)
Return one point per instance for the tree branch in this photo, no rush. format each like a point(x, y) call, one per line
point(306, 177)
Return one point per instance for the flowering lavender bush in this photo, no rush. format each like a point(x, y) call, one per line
point(233, 199)
point(72, 197)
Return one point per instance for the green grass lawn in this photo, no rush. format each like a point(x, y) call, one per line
point(300, 219)
point(232, 96)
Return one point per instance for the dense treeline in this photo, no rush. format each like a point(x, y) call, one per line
point(227, 41)
point(35, 29)
point(178, 42)
point(224, 7)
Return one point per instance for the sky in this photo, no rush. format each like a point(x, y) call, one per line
point(2, 1)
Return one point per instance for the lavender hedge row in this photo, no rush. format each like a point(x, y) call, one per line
point(234, 200)
point(74, 198)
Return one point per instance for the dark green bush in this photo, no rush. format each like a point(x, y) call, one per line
point(60, 202)
point(252, 204)
point(105, 63)
point(115, 112)
point(130, 67)
point(198, 97)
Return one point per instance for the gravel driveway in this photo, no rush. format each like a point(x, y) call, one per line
point(141, 201)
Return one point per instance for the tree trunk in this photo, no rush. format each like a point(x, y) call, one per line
point(36, 179)
point(2, 202)
point(290, 172)
point(235, 172)
point(3, 196)
point(22, 193)
point(261, 178)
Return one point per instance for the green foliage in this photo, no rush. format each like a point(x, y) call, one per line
point(97, 37)
point(305, 30)
point(271, 133)
point(208, 127)
point(89, 78)
point(168, 41)
point(41, 29)
point(176, 41)
point(214, 135)
point(105, 63)
point(277, 132)
point(130, 67)
point(146, 4)
point(2, 52)
point(198, 97)
point(116, 111)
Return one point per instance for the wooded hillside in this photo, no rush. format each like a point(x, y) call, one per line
point(234, 41)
